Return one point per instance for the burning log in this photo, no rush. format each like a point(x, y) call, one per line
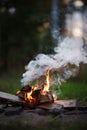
point(29, 95)
point(22, 91)
point(35, 95)
point(48, 97)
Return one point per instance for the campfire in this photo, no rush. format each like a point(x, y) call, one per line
point(36, 94)
point(35, 97)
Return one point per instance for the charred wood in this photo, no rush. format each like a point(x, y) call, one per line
point(26, 88)
point(46, 97)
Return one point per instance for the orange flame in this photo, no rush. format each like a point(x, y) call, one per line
point(28, 96)
point(47, 85)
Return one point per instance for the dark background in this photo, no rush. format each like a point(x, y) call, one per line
point(25, 31)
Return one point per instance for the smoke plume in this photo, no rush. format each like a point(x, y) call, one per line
point(69, 52)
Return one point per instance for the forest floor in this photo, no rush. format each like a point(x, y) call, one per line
point(34, 121)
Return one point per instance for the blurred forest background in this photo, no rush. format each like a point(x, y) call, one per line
point(25, 31)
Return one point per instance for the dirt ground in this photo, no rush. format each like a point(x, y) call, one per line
point(33, 120)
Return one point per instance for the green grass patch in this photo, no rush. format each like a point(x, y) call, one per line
point(10, 83)
point(73, 90)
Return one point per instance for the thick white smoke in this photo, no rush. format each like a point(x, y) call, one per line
point(69, 51)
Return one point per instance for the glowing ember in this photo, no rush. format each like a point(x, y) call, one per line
point(18, 92)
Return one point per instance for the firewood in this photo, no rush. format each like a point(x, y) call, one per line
point(69, 104)
point(50, 106)
point(14, 100)
point(48, 97)
point(26, 88)
point(20, 94)
point(9, 97)
point(22, 91)
point(35, 94)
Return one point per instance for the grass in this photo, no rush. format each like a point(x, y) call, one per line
point(73, 89)
point(10, 83)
